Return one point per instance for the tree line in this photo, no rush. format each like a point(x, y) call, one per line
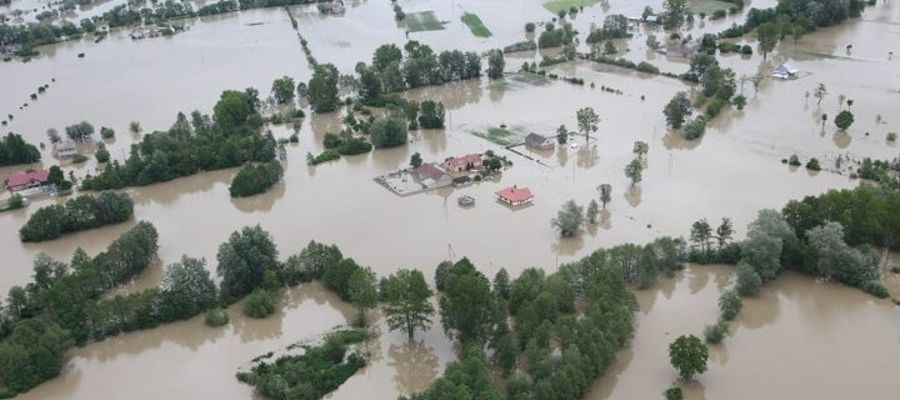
point(78, 214)
point(15, 150)
point(228, 139)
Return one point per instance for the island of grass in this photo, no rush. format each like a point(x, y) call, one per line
point(556, 6)
point(500, 135)
point(422, 21)
point(475, 25)
point(315, 373)
point(710, 7)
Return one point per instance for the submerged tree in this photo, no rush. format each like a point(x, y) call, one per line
point(688, 355)
point(496, 64)
point(677, 110)
point(587, 120)
point(569, 219)
point(363, 293)
point(634, 171)
point(283, 89)
point(592, 211)
point(605, 190)
point(407, 305)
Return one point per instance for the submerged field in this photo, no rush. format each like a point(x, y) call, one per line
point(734, 170)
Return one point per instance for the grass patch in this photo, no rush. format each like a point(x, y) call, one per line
point(475, 25)
point(709, 7)
point(555, 6)
point(422, 21)
point(501, 136)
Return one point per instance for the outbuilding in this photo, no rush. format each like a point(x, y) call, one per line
point(515, 196)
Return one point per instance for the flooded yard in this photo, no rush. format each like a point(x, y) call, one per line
point(734, 170)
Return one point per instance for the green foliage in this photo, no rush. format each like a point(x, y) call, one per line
point(843, 120)
point(415, 160)
point(81, 213)
point(311, 263)
point(475, 25)
point(408, 305)
point(836, 259)
point(362, 291)
point(748, 281)
point(255, 179)
point(768, 35)
point(80, 132)
point(467, 379)
point(260, 304)
point(813, 164)
point(431, 115)
point(688, 355)
point(323, 89)
point(730, 305)
point(244, 260)
point(227, 140)
point(14, 150)
point(186, 289)
point(388, 131)
point(715, 333)
point(216, 317)
point(647, 67)
point(695, 128)
point(15, 201)
point(496, 64)
point(283, 89)
point(739, 102)
point(569, 219)
point(677, 110)
point(529, 27)
point(325, 156)
point(714, 107)
point(673, 393)
point(107, 133)
point(102, 154)
point(337, 277)
point(553, 37)
point(615, 26)
point(467, 304)
point(34, 352)
point(312, 375)
point(634, 171)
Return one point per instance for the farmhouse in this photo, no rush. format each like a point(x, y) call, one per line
point(515, 196)
point(464, 163)
point(21, 180)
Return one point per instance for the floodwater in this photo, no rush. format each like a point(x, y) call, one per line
point(799, 339)
point(733, 171)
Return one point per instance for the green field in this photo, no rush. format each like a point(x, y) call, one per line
point(501, 136)
point(422, 21)
point(709, 7)
point(475, 25)
point(555, 6)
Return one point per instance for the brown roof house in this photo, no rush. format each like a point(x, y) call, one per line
point(432, 176)
point(535, 141)
point(466, 162)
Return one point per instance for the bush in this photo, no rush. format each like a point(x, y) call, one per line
point(102, 154)
point(813, 164)
point(354, 146)
point(216, 317)
point(715, 333)
point(714, 107)
point(725, 47)
point(843, 120)
point(748, 281)
point(255, 179)
point(325, 156)
point(730, 305)
point(673, 393)
point(529, 27)
point(78, 159)
point(15, 202)
point(875, 288)
point(695, 128)
point(794, 161)
point(746, 50)
point(260, 304)
point(644, 66)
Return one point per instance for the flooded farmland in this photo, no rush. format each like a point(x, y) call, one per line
point(732, 171)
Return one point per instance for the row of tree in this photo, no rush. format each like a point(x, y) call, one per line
point(229, 139)
point(78, 214)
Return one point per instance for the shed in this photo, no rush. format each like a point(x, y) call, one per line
point(539, 142)
point(785, 71)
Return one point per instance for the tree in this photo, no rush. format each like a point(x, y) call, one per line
point(363, 293)
point(725, 232)
point(748, 281)
point(431, 115)
point(260, 303)
point(408, 305)
point(836, 259)
point(53, 135)
point(322, 89)
point(34, 352)
point(695, 128)
point(634, 171)
point(186, 289)
point(739, 101)
point(701, 234)
point(675, 11)
point(102, 154)
point(283, 89)
point(370, 89)
point(640, 148)
point(135, 127)
point(569, 219)
point(688, 355)
point(592, 211)
point(768, 35)
point(255, 178)
point(730, 305)
point(243, 260)
point(501, 284)
point(677, 110)
point(467, 307)
point(843, 120)
point(235, 113)
point(496, 64)
point(80, 132)
point(587, 120)
point(820, 93)
point(605, 190)
point(562, 134)
point(14, 150)
point(388, 131)
point(415, 161)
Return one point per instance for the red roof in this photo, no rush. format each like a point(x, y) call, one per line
point(515, 194)
point(20, 178)
point(462, 162)
point(431, 171)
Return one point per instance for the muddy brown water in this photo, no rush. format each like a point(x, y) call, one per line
point(732, 171)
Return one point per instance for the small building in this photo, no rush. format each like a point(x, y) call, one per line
point(65, 149)
point(539, 142)
point(462, 180)
point(515, 196)
point(464, 163)
point(21, 180)
point(331, 7)
point(466, 201)
point(432, 176)
point(785, 71)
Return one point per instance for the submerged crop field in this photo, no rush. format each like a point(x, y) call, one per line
point(586, 200)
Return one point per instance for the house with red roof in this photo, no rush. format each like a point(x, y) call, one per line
point(431, 176)
point(515, 196)
point(21, 180)
point(466, 162)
